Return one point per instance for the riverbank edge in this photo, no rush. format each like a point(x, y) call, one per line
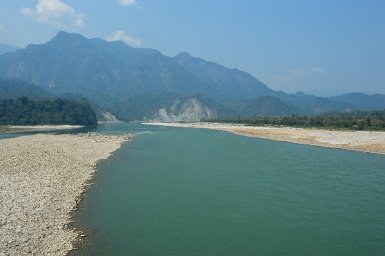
point(360, 141)
point(37, 128)
point(75, 223)
point(90, 140)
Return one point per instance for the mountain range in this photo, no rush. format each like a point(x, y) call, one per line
point(143, 84)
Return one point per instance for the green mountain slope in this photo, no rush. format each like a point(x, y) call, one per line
point(361, 101)
point(132, 83)
point(268, 106)
point(98, 69)
point(13, 88)
point(229, 84)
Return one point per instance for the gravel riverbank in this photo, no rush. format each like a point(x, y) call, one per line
point(41, 178)
point(364, 141)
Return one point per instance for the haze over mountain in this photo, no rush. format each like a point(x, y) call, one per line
point(228, 83)
point(4, 48)
point(14, 88)
point(363, 101)
point(121, 78)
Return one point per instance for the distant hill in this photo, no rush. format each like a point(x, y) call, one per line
point(135, 84)
point(5, 48)
point(14, 88)
point(361, 101)
point(311, 104)
point(268, 106)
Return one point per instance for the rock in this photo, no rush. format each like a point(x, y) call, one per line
point(41, 178)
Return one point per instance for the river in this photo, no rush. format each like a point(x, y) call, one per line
point(180, 192)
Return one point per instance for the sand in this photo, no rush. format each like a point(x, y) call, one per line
point(364, 141)
point(41, 179)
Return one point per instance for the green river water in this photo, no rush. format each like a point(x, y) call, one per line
point(178, 191)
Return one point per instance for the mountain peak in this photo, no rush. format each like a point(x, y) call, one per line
point(183, 55)
point(62, 33)
point(63, 36)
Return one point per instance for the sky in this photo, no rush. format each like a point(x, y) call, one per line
point(325, 48)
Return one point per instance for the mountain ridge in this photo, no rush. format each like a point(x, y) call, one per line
point(6, 48)
point(113, 74)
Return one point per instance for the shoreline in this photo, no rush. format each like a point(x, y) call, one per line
point(37, 128)
point(43, 177)
point(362, 141)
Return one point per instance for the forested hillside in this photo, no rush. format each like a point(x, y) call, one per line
point(26, 111)
point(363, 120)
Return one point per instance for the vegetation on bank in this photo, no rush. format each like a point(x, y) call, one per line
point(26, 111)
point(364, 120)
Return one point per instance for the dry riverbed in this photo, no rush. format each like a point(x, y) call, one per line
point(364, 141)
point(41, 179)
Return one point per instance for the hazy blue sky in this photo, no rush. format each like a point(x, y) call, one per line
point(324, 47)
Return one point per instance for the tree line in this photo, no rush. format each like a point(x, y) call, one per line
point(363, 120)
point(26, 111)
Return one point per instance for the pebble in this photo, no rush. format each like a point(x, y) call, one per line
point(41, 179)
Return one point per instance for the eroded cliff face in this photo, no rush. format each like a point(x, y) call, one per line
point(189, 110)
point(107, 117)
